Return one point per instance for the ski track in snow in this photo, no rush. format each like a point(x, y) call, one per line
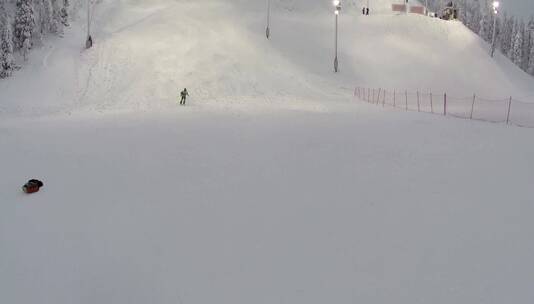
point(51, 50)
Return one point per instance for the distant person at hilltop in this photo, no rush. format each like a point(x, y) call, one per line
point(184, 95)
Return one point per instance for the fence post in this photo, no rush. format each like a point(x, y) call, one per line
point(418, 103)
point(368, 95)
point(431, 105)
point(473, 106)
point(373, 100)
point(445, 104)
point(384, 102)
point(378, 97)
point(406, 94)
point(394, 97)
point(509, 107)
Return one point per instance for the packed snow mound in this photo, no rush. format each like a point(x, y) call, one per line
point(147, 51)
point(416, 52)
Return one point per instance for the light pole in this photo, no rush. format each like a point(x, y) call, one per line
point(495, 11)
point(337, 5)
point(89, 40)
point(268, 29)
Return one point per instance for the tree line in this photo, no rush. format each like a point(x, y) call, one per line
point(514, 36)
point(24, 24)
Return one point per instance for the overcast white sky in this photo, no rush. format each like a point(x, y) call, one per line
point(522, 8)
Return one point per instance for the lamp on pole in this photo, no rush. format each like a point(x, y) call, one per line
point(495, 11)
point(89, 40)
point(337, 5)
point(268, 29)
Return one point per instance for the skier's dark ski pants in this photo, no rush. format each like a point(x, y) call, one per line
point(182, 102)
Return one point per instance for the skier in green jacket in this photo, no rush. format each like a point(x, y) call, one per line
point(184, 95)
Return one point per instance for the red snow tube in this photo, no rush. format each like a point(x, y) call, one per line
point(32, 186)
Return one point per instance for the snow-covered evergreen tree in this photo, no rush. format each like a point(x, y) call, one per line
point(516, 54)
point(483, 28)
point(486, 22)
point(462, 6)
point(507, 34)
point(530, 64)
point(24, 24)
point(530, 68)
point(528, 45)
point(525, 50)
point(508, 38)
point(64, 13)
point(44, 8)
point(57, 23)
point(7, 63)
point(26, 46)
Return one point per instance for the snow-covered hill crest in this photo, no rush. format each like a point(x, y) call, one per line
point(146, 51)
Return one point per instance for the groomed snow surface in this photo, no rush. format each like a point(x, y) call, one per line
point(273, 185)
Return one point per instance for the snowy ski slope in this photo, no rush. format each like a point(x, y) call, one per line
point(273, 185)
point(147, 51)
